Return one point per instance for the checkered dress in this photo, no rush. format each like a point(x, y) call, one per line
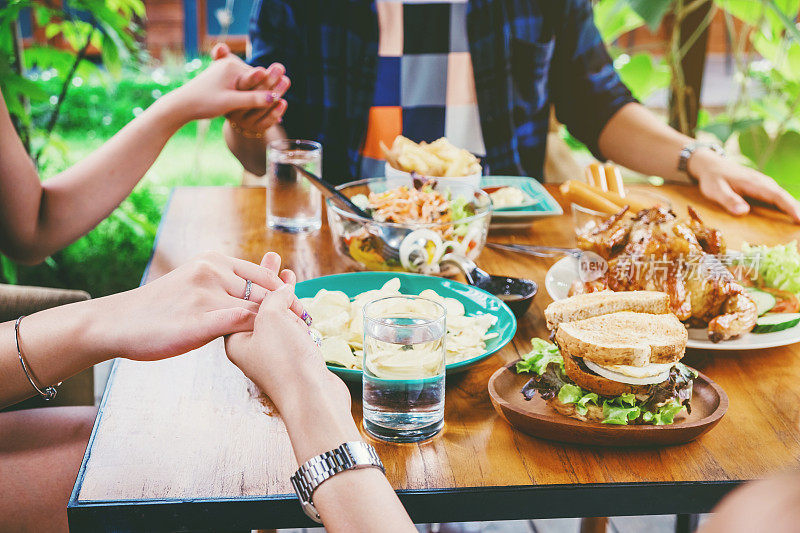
point(425, 88)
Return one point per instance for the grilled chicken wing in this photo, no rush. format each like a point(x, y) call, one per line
point(657, 251)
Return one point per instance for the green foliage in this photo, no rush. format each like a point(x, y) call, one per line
point(642, 74)
point(651, 11)
point(109, 26)
point(614, 19)
point(112, 257)
point(777, 156)
point(764, 118)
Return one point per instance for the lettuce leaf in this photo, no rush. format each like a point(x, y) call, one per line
point(665, 414)
point(778, 266)
point(572, 394)
point(461, 208)
point(542, 354)
point(614, 414)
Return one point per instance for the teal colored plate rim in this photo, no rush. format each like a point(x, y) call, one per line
point(548, 205)
point(352, 374)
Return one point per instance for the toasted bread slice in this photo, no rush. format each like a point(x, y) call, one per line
point(624, 338)
point(593, 304)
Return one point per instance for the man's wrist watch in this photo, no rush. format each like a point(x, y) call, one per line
point(349, 456)
point(691, 148)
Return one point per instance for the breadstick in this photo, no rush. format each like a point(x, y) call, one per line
point(586, 196)
point(614, 180)
point(595, 176)
point(635, 205)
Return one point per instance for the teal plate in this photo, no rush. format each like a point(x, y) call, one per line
point(475, 302)
point(544, 204)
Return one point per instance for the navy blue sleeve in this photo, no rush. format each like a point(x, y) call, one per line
point(270, 23)
point(586, 89)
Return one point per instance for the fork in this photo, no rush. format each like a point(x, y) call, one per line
point(538, 251)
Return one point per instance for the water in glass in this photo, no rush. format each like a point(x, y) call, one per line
point(404, 368)
point(293, 203)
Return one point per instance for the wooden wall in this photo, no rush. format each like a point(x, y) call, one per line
point(164, 28)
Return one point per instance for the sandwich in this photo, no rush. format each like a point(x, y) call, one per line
point(616, 359)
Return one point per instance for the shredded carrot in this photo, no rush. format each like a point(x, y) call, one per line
point(408, 205)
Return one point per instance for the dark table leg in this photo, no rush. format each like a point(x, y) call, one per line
point(686, 523)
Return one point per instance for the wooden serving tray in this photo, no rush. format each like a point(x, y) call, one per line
point(535, 417)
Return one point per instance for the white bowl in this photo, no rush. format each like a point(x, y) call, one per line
point(457, 184)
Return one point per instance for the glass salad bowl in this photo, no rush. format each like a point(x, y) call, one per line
point(370, 244)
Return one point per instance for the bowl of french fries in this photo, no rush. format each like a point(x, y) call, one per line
point(450, 166)
point(602, 193)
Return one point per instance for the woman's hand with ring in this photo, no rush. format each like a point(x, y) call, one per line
point(189, 307)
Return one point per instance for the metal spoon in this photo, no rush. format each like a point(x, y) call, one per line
point(517, 293)
point(389, 238)
point(329, 191)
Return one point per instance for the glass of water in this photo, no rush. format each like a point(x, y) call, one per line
point(293, 203)
point(404, 366)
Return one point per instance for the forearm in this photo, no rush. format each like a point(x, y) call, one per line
point(76, 200)
point(251, 152)
point(347, 501)
point(56, 343)
point(639, 140)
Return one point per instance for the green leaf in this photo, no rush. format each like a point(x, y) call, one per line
point(613, 414)
point(784, 160)
point(782, 54)
point(15, 83)
point(110, 54)
point(642, 75)
point(9, 270)
point(570, 394)
point(749, 11)
point(753, 141)
point(542, 354)
point(652, 11)
point(782, 14)
point(722, 128)
point(51, 30)
point(614, 18)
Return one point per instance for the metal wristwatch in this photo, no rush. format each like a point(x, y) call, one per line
point(692, 147)
point(348, 456)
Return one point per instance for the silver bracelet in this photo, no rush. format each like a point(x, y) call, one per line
point(49, 392)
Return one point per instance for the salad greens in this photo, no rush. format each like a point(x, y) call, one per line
point(778, 266)
point(662, 404)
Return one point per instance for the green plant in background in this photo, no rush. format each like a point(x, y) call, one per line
point(764, 118)
point(64, 106)
point(109, 26)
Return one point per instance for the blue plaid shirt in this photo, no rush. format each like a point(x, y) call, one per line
point(526, 55)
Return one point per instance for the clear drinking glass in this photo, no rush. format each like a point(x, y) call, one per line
point(293, 203)
point(404, 367)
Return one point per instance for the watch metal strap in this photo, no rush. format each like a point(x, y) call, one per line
point(692, 147)
point(348, 456)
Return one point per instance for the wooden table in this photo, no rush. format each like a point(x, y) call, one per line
point(185, 444)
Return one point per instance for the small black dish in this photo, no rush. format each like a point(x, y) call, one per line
point(516, 293)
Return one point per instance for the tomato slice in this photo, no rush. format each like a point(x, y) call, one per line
point(787, 301)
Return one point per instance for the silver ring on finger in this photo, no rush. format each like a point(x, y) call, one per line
point(248, 287)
